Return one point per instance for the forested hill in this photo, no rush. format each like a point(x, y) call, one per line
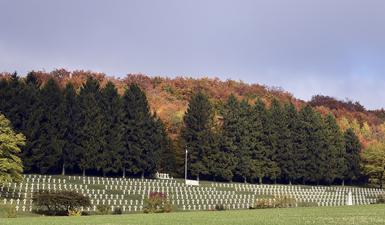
point(168, 97)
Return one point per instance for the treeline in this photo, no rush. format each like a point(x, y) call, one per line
point(93, 130)
point(260, 144)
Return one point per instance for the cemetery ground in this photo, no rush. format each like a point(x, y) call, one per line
point(340, 215)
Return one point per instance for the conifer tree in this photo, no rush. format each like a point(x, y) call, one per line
point(335, 165)
point(50, 141)
point(352, 157)
point(262, 144)
point(287, 157)
point(228, 152)
point(313, 160)
point(197, 133)
point(33, 117)
point(71, 112)
point(140, 152)
point(110, 158)
point(91, 126)
point(167, 155)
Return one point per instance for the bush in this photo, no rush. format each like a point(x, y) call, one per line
point(262, 204)
point(59, 203)
point(118, 211)
point(381, 199)
point(220, 207)
point(103, 209)
point(74, 213)
point(284, 202)
point(276, 202)
point(157, 203)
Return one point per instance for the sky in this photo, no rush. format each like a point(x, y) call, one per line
point(307, 47)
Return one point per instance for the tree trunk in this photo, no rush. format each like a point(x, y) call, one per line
point(104, 173)
point(84, 172)
point(124, 172)
point(260, 180)
point(63, 171)
point(244, 180)
point(289, 181)
point(198, 177)
point(142, 176)
point(343, 182)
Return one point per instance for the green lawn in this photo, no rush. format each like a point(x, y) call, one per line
point(354, 215)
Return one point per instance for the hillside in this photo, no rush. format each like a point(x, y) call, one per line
point(168, 97)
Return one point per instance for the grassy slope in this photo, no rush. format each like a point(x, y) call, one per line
point(357, 215)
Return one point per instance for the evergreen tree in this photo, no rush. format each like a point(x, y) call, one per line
point(263, 164)
point(50, 143)
point(287, 157)
point(111, 157)
point(312, 149)
point(197, 133)
point(140, 134)
point(11, 167)
point(334, 150)
point(71, 110)
point(352, 157)
point(229, 154)
point(28, 94)
point(167, 158)
point(91, 126)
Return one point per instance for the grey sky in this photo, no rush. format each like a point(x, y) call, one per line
point(331, 47)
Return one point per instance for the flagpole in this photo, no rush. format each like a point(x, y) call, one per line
point(185, 167)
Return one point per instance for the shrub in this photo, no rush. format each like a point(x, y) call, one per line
point(118, 211)
point(103, 209)
point(74, 213)
point(381, 199)
point(284, 202)
point(276, 202)
point(58, 203)
point(157, 203)
point(262, 204)
point(220, 207)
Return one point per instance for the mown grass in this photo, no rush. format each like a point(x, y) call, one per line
point(353, 215)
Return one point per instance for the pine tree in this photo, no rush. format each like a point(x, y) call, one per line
point(228, 154)
point(262, 156)
point(287, 157)
point(312, 138)
point(111, 157)
point(91, 126)
point(197, 133)
point(334, 150)
point(50, 140)
point(71, 110)
point(11, 167)
point(32, 111)
point(140, 131)
point(167, 156)
point(352, 157)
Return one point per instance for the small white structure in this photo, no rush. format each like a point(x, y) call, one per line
point(192, 182)
point(163, 176)
point(349, 200)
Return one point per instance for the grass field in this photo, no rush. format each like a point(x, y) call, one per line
point(353, 215)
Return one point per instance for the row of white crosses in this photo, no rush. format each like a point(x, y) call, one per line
point(186, 197)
